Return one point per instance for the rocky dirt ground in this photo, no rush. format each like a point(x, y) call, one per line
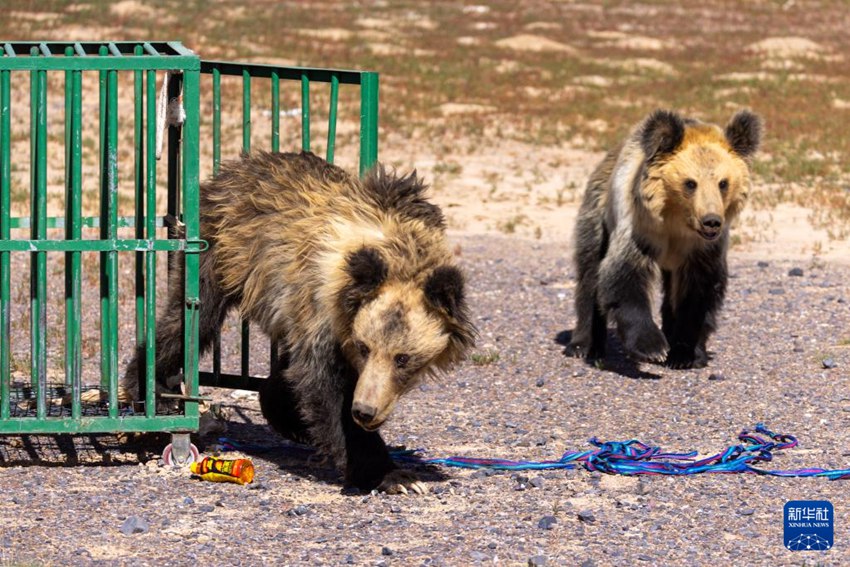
point(94, 500)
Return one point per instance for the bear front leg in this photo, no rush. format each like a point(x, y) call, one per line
point(625, 281)
point(369, 464)
point(323, 381)
point(692, 297)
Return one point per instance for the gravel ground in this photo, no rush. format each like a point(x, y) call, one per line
point(95, 500)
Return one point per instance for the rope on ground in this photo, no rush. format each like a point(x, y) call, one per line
point(627, 458)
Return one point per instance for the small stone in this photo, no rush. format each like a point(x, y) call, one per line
point(586, 516)
point(188, 500)
point(536, 482)
point(395, 509)
point(716, 376)
point(643, 557)
point(588, 563)
point(829, 363)
point(547, 522)
point(300, 510)
point(776, 291)
point(349, 559)
point(491, 545)
point(796, 272)
point(746, 512)
point(135, 525)
point(206, 508)
point(540, 382)
point(537, 561)
point(763, 264)
point(386, 551)
point(479, 556)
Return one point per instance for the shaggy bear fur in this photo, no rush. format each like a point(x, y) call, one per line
point(351, 279)
point(663, 202)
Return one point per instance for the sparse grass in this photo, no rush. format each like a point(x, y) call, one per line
point(510, 225)
point(484, 358)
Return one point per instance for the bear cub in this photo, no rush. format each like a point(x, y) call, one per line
point(353, 281)
point(661, 203)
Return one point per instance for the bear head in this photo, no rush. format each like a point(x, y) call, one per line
point(696, 175)
point(400, 330)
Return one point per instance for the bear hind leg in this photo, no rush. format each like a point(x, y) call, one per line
point(279, 403)
point(214, 306)
point(591, 330)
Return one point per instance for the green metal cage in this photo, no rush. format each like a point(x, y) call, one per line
point(168, 224)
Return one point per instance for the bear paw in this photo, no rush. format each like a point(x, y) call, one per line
point(682, 357)
point(398, 481)
point(581, 349)
point(647, 344)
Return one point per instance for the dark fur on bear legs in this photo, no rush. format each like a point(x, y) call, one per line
point(625, 281)
point(279, 403)
point(591, 238)
point(362, 454)
point(590, 334)
point(700, 286)
point(214, 307)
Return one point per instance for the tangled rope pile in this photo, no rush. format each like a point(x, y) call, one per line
point(636, 458)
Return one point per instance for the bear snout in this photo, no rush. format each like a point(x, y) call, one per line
point(710, 226)
point(363, 414)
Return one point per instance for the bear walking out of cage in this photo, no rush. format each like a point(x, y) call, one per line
point(354, 282)
point(661, 201)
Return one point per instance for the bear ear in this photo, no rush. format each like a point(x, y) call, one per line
point(744, 133)
point(444, 290)
point(661, 134)
point(366, 271)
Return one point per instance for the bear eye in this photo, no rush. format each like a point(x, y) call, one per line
point(724, 184)
point(362, 349)
point(690, 185)
point(401, 360)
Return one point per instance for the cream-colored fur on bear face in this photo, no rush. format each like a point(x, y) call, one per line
point(396, 324)
point(704, 157)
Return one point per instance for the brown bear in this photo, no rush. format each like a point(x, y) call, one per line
point(662, 201)
point(351, 278)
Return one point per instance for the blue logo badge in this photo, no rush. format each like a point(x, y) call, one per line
point(809, 525)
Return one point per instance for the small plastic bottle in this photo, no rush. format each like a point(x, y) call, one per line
point(240, 471)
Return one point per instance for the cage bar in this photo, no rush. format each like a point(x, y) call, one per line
point(191, 220)
point(332, 117)
point(305, 112)
point(5, 234)
point(139, 185)
point(38, 231)
point(368, 121)
point(150, 255)
point(73, 231)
